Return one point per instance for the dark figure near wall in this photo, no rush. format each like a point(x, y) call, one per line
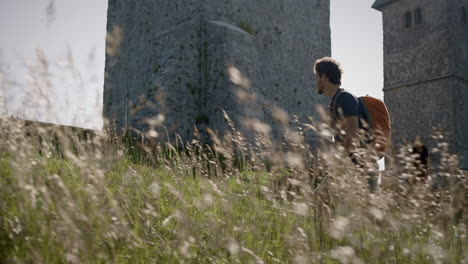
point(421, 157)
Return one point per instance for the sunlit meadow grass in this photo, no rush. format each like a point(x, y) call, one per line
point(70, 196)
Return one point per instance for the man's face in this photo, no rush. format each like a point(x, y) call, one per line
point(319, 83)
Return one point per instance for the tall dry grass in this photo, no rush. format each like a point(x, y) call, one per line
point(92, 197)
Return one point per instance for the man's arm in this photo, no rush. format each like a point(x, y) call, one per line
point(348, 105)
point(351, 127)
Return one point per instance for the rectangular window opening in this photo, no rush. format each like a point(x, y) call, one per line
point(418, 19)
point(464, 19)
point(408, 19)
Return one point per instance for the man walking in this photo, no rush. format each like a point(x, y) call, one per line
point(348, 113)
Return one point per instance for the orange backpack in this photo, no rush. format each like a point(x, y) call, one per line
point(380, 123)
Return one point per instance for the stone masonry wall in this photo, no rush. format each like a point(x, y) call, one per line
point(461, 120)
point(419, 52)
point(458, 38)
point(459, 66)
point(426, 69)
point(157, 69)
point(416, 109)
point(174, 55)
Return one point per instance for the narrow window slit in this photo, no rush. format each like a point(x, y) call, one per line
point(408, 19)
point(418, 16)
point(464, 15)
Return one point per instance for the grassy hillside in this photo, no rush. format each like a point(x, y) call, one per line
point(72, 197)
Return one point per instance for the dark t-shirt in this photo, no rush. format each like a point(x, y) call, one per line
point(345, 104)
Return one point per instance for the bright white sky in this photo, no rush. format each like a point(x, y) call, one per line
point(72, 35)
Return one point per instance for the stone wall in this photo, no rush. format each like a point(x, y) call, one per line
point(426, 69)
point(458, 38)
point(461, 120)
point(157, 69)
point(174, 55)
point(419, 52)
point(416, 109)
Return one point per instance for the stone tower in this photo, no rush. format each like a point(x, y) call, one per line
point(173, 56)
point(426, 69)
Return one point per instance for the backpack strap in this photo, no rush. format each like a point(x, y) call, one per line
point(333, 103)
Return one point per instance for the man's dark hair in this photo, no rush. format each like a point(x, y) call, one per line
point(330, 67)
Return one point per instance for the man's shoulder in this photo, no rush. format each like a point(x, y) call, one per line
point(346, 95)
point(347, 92)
